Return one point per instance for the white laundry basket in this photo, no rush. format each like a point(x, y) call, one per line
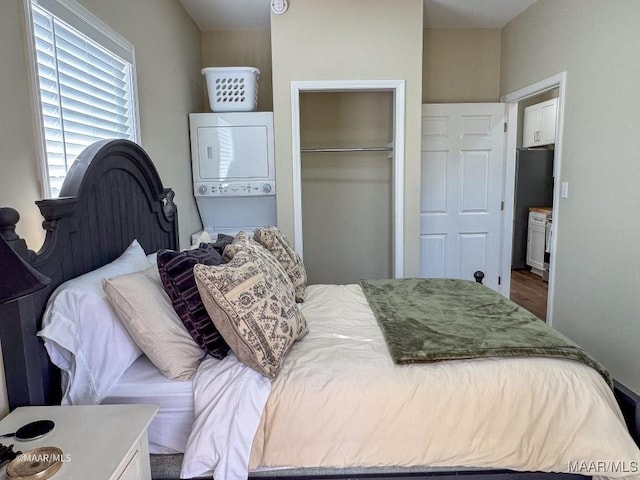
point(232, 89)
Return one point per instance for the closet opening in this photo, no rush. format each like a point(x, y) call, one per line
point(346, 172)
point(348, 178)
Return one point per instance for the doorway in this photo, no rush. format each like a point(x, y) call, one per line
point(346, 160)
point(532, 284)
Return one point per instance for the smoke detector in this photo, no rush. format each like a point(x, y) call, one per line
point(279, 6)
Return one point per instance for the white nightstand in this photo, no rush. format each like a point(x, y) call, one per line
point(101, 442)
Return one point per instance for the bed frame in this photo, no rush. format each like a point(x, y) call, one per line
point(112, 195)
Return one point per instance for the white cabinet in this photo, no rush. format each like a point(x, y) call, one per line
point(539, 125)
point(536, 241)
point(98, 442)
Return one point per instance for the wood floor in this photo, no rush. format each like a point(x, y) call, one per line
point(529, 291)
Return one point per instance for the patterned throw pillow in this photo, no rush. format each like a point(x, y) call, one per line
point(176, 273)
point(251, 302)
point(241, 241)
point(273, 240)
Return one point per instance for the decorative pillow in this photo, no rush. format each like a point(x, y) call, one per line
point(176, 274)
point(83, 335)
point(251, 302)
point(241, 241)
point(146, 312)
point(273, 240)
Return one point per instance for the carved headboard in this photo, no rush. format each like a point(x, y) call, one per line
point(111, 195)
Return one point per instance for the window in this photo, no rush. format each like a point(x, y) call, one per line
point(84, 77)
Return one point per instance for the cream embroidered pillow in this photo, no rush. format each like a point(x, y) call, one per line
point(241, 241)
point(251, 302)
point(294, 269)
point(273, 240)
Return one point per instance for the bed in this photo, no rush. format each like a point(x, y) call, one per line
point(112, 196)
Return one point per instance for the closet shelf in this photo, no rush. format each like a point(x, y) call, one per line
point(346, 149)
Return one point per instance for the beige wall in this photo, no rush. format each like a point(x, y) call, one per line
point(461, 65)
point(20, 180)
point(333, 40)
point(251, 48)
point(598, 259)
point(167, 46)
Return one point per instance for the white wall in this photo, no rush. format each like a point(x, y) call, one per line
point(598, 259)
point(334, 40)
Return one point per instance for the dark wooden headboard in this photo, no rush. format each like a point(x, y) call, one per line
point(111, 196)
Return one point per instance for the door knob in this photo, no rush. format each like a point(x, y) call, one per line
point(479, 275)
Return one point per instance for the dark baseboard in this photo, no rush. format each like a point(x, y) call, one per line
point(629, 402)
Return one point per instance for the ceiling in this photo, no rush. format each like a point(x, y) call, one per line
point(212, 15)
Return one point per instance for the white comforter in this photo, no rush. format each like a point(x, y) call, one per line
point(340, 401)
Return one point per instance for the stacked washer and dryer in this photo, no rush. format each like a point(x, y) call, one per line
point(232, 155)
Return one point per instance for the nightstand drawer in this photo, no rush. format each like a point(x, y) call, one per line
point(133, 470)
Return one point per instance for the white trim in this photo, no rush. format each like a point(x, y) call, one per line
point(38, 127)
point(297, 168)
point(559, 80)
point(536, 88)
point(511, 117)
point(134, 100)
point(398, 89)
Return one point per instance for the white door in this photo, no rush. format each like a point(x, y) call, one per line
point(462, 183)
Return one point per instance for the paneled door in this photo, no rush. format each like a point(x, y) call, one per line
point(463, 165)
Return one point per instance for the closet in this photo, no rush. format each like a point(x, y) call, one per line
point(346, 185)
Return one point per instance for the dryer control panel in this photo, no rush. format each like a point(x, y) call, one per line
point(233, 189)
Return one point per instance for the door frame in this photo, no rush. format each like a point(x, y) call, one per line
point(511, 99)
point(397, 87)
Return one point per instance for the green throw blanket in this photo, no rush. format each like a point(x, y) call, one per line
point(430, 320)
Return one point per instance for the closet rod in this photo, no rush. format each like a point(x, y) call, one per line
point(346, 149)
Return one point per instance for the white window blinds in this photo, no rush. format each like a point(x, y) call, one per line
point(86, 93)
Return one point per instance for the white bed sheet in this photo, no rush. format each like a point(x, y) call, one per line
point(143, 383)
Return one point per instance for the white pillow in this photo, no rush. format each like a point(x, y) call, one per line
point(204, 237)
point(152, 258)
point(147, 313)
point(83, 335)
